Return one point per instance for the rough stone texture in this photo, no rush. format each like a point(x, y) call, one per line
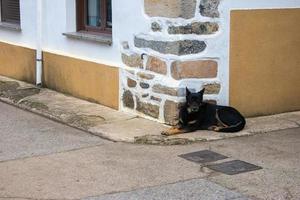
point(170, 8)
point(171, 112)
point(128, 99)
point(155, 26)
point(144, 85)
point(155, 98)
point(146, 76)
point(147, 108)
point(156, 65)
point(181, 47)
point(209, 8)
point(158, 88)
point(133, 60)
point(213, 88)
point(199, 28)
point(194, 69)
point(131, 83)
point(125, 45)
point(145, 95)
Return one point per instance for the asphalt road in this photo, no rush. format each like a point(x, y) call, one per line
point(42, 159)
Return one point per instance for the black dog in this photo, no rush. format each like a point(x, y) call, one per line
point(199, 115)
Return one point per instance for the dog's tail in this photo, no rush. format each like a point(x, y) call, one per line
point(233, 128)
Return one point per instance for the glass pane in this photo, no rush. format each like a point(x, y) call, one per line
point(109, 14)
point(93, 13)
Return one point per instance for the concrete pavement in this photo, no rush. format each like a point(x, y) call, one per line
point(195, 189)
point(41, 159)
point(24, 134)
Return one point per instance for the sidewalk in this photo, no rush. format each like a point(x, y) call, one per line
point(42, 159)
point(119, 126)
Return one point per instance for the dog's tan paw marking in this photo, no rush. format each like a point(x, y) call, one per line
point(212, 128)
point(172, 131)
point(217, 129)
point(165, 133)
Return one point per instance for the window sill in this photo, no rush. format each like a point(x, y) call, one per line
point(103, 39)
point(10, 26)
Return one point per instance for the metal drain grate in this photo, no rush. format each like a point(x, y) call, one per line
point(234, 167)
point(203, 156)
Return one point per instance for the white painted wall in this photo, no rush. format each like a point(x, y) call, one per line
point(59, 16)
point(27, 37)
point(129, 19)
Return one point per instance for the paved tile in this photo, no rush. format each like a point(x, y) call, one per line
point(204, 156)
point(234, 167)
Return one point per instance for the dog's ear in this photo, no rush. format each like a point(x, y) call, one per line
point(202, 92)
point(188, 92)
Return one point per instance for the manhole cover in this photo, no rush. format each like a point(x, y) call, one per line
point(234, 167)
point(203, 156)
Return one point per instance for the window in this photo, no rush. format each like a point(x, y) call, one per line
point(10, 11)
point(94, 16)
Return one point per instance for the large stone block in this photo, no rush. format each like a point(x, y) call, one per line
point(198, 28)
point(209, 8)
point(156, 65)
point(147, 108)
point(146, 76)
point(170, 8)
point(128, 99)
point(213, 88)
point(181, 47)
point(133, 60)
point(172, 91)
point(194, 69)
point(144, 85)
point(158, 99)
point(171, 112)
point(131, 83)
point(155, 27)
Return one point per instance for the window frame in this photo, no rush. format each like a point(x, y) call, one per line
point(10, 21)
point(81, 15)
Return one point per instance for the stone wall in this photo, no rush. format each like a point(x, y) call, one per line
point(169, 58)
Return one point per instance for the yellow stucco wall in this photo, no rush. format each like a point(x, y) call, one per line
point(17, 62)
point(87, 80)
point(265, 61)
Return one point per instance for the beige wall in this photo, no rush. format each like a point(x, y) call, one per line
point(265, 61)
point(87, 80)
point(17, 62)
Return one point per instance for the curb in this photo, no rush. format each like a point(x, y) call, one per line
point(118, 126)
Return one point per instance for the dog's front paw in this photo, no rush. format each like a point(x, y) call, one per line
point(217, 129)
point(214, 128)
point(166, 133)
point(172, 131)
